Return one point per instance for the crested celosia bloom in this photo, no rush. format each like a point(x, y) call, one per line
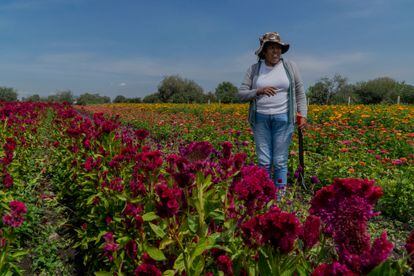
point(311, 231)
point(110, 246)
point(7, 180)
point(345, 208)
point(334, 269)
point(148, 160)
point(409, 246)
point(226, 151)
point(225, 264)
point(147, 270)
point(197, 151)
point(275, 227)
point(254, 188)
point(169, 203)
point(15, 217)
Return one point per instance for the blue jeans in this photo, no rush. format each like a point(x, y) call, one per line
point(272, 136)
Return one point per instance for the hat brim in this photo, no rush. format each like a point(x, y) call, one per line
point(284, 46)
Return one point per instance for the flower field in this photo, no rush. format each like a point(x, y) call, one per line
point(173, 190)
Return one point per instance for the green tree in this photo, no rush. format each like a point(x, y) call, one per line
point(379, 90)
point(61, 97)
point(175, 89)
point(152, 98)
point(8, 94)
point(329, 90)
point(226, 92)
point(120, 99)
point(33, 98)
point(88, 98)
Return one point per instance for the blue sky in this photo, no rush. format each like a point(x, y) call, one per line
point(128, 46)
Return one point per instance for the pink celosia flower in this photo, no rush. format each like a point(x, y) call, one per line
point(311, 231)
point(345, 208)
point(147, 270)
point(169, 203)
point(254, 188)
point(334, 269)
point(277, 228)
point(409, 246)
point(225, 264)
point(197, 151)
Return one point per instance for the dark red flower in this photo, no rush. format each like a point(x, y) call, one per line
point(334, 269)
point(345, 208)
point(279, 229)
point(226, 151)
point(169, 203)
point(225, 264)
point(7, 180)
point(409, 246)
point(254, 188)
point(197, 151)
point(311, 231)
point(147, 270)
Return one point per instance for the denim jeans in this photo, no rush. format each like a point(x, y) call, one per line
point(272, 136)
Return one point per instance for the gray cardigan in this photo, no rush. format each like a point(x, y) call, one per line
point(296, 93)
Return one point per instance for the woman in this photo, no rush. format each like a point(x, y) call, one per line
point(275, 90)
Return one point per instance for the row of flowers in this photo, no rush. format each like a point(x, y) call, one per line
point(198, 210)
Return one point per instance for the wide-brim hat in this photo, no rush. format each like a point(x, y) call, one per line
point(271, 37)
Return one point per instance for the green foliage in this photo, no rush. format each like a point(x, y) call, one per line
point(61, 97)
point(33, 98)
point(88, 98)
point(152, 98)
point(384, 90)
point(226, 92)
point(8, 94)
point(174, 89)
point(328, 91)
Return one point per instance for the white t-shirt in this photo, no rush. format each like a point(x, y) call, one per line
point(275, 77)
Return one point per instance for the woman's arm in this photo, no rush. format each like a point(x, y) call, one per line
point(246, 93)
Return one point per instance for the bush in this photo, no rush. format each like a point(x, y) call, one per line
point(8, 94)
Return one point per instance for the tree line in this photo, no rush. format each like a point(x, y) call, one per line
point(175, 89)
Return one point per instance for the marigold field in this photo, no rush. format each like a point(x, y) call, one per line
point(173, 189)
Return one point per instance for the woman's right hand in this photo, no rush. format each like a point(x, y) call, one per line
point(268, 91)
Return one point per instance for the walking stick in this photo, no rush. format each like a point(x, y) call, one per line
point(301, 156)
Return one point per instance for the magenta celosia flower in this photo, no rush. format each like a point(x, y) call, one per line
point(311, 231)
point(7, 180)
point(225, 264)
point(409, 246)
point(277, 228)
point(13, 220)
point(197, 151)
point(254, 188)
point(149, 160)
point(17, 207)
point(315, 180)
point(141, 134)
point(131, 249)
point(239, 160)
point(226, 151)
point(169, 203)
point(15, 217)
point(334, 269)
point(147, 270)
point(345, 208)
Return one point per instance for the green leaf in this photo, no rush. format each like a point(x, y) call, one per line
point(150, 216)
point(192, 224)
point(165, 242)
point(156, 254)
point(157, 230)
point(168, 273)
point(103, 273)
point(179, 263)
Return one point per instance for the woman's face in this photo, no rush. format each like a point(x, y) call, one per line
point(272, 53)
